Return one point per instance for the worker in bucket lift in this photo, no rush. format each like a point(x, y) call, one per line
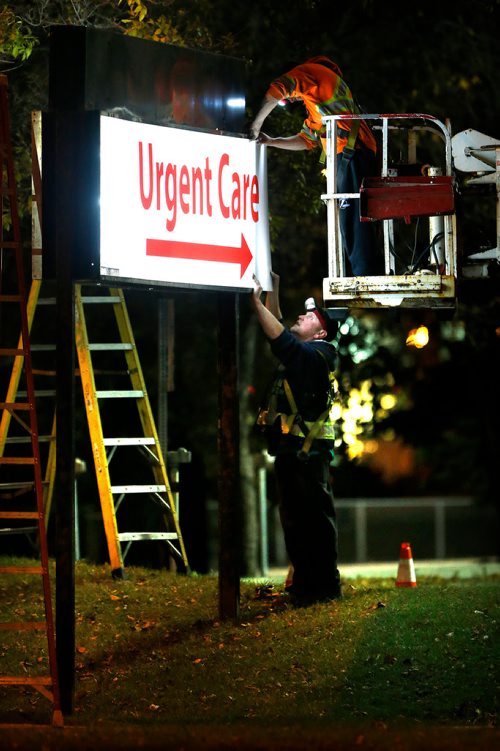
point(319, 85)
point(299, 433)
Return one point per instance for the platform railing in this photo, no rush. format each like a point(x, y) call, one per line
point(390, 196)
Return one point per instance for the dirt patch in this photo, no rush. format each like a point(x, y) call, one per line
point(376, 737)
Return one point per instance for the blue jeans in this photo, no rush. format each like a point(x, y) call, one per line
point(309, 522)
point(359, 238)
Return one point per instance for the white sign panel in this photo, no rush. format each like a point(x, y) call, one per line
point(182, 207)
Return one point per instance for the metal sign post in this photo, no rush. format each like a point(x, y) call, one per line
point(229, 464)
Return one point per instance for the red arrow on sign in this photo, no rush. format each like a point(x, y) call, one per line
point(201, 252)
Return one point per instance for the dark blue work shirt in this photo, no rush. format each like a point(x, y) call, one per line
point(307, 366)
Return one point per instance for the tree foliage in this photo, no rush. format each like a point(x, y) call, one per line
point(16, 38)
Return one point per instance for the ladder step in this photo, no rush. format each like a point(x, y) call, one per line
point(119, 346)
point(39, 393)
point(21, 570)
point(24, 626)
point(27, 439)
point(17, 460)
point(18, 514)
point(16, 485)
point(39, 680)
point(138, 488)
point(134, 536)
point(43, 347)
point(97, 299)
point(10, 298)
point(11, 351)
point(129, 441)
point(18, 530)
point(13, 406)
point(130, 394)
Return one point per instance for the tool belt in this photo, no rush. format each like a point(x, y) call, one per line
point(294, 425)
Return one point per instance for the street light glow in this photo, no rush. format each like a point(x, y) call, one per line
point(418, 337)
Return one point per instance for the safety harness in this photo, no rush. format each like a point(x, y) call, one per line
point(348, 151)
point(309, 430)
point(293, 423)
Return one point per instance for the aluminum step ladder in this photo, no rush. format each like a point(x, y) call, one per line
point(27, 632)
point(121, 427)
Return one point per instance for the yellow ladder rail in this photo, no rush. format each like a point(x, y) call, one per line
point(96, 437)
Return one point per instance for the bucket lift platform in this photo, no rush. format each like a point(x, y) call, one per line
point(413, 206)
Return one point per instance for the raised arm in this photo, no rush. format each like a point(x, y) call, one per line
point(273, 297)
point(267, 106)
point(290, 143)
point(266, 313)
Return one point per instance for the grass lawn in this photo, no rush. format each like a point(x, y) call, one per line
point(151, 652)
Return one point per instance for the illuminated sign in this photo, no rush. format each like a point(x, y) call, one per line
point(181, 207)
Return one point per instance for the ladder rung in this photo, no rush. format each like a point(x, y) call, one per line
point(27, 439)
point(18, 530)
point(43, 347)
point(102, 346)
point(138, 489)
point(129, 441)
point(39, 680)
point(16, 485)
point(10, 298)
point(130, 394)
point(21, 570)
point(13, 406)
point(46, 301)
point(17, 460)
point(24, 626)
point(18, 514)
point(131, 536)
point(11, 351)
point(39, 393)
point(9, 244)
point(96, 299)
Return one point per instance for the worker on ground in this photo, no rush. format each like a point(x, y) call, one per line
point(299, 433)
point(319, 85)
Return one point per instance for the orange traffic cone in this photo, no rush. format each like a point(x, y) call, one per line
point(406, 569)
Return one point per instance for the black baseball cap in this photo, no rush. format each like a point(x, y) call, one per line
point(329, 317)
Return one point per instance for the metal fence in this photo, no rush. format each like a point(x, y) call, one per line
point(372, 529)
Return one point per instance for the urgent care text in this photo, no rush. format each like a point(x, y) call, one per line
point(190, 189)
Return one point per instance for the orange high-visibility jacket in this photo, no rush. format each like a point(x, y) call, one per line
point(318, 83)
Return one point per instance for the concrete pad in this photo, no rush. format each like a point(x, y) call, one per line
point(462, 568)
